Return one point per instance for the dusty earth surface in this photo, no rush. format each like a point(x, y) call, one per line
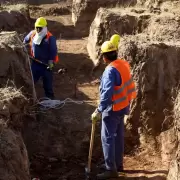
point(57, 141)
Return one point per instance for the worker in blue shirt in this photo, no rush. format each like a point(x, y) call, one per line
point(117, 89)
point(43, 48)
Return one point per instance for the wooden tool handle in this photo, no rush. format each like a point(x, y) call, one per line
point(91, 145)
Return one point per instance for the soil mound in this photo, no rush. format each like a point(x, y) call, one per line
point(14, 162)
point(14, 63)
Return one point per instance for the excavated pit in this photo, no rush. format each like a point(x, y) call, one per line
point(57, 140)
point(152, 46)
point(84, 11)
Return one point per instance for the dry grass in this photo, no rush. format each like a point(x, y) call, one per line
point(9, 93)
point(15, 7)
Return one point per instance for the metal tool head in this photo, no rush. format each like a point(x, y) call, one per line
point(87, 173)
point(62, 71)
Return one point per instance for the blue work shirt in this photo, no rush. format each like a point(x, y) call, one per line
point(44, 52)
point(110, 78)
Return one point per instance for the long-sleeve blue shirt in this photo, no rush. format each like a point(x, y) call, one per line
point(44, 52)
point(110, 78)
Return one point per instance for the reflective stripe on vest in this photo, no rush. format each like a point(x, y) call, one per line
point(56, 59)
point(124, 93)
point(122, 88)
point(125, 97)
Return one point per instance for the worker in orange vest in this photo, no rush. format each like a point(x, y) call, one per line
point(117, 89)
point(43, 50)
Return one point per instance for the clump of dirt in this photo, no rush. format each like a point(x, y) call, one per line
point(14, 163)
point(14, 17)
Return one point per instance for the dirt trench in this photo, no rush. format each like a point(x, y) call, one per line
point(58, 140)
point(53, 158)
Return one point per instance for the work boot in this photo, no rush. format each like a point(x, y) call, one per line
point(120, 169)
point(108, 174)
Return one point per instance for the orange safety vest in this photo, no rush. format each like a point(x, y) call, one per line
point(48, 35)
point(124, 93)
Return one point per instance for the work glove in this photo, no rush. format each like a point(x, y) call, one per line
point(96, 116)
point(97, 102)
point(51, 64)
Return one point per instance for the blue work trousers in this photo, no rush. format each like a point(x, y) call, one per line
point(40, 71)
point(112, 137)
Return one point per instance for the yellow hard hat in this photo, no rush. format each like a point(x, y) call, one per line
point(115, 39)
point(108, 46)
point(41, 22)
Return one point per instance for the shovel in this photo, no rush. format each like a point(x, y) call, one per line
point(40, 62)
point(88, 168)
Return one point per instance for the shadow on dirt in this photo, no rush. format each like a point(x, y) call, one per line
point(58, 141)
point(76, 61)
